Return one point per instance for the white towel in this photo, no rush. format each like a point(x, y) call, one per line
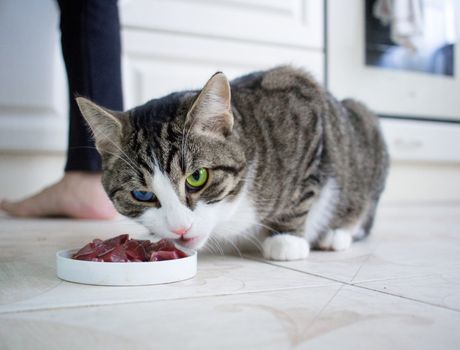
point(405, 18)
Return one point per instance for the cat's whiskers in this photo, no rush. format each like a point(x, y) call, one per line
point(100, 132)
point(219, 245)
point(133, 167)
point(215, 244)
point(254, 240)
point(185, 135)
point(209, 247)
point(269, 228)
point(183, 148)
point(127, 161)
point(250, 237)
point(234, 246)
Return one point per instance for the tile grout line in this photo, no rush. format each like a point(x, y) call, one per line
point(357, 285)
point(337, 280)
point(147, 300)
point(299, 271)
point(364, 262)
point(342, 283)
point(158, 300)
point(324, 307)
point(407, 298)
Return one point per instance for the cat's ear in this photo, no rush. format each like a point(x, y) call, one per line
point(211, 113)
point(106, 125)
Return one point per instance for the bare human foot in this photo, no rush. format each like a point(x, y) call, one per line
point(77, 195)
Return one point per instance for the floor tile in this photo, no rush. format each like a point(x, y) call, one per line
point(28, 277)
point(339, 266)
point(362, 319)
point(216, 276)
point(399, 289)
point(403, 244)
point(328, 317)
point(245, 321)
point(442, 289)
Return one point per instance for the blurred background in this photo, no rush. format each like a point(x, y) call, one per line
point(400, 57)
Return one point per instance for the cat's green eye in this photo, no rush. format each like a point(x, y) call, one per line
point(198, 179)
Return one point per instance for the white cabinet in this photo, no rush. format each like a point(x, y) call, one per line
point(422, 141)
point(167, 45)
point(176, 44)
point(158, 63)
point(281, 22)
point(394, 92)
point(33, 94)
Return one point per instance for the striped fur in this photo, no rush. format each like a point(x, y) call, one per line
point(278, 142)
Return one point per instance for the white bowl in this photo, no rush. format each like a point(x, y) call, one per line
point(126, 273)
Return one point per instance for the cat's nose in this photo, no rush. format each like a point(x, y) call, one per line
point(181, 231)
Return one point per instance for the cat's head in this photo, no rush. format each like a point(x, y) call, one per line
point(173, 164)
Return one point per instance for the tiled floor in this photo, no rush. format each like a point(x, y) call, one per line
point(400, 289)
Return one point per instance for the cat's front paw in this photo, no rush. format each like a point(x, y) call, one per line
point(336, 240)
point(285, 247)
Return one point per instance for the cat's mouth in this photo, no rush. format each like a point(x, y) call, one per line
point(189, 242)
point(186, 240)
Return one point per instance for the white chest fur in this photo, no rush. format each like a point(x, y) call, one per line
point(322, 210)
point(242, 218)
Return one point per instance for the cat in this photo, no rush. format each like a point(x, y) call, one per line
point(270, 153)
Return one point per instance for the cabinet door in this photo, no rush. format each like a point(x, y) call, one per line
point(283, 22)
point(33, 94)
point(157, 63)
point(174, 44)
point(167, 45)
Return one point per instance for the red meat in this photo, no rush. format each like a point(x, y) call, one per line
point(135, 250)
point(121, 239)
point(123, 249)
point(164, 255)
point(116, 254)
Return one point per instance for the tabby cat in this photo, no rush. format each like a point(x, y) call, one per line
point(270, 153)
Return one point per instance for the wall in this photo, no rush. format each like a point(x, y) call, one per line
point(425, 165)
point(33, 98)
point(171, 45)
point(167, 45)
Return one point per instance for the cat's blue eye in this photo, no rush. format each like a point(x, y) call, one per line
point(143, 196)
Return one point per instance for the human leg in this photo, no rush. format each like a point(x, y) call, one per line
point(92, 52)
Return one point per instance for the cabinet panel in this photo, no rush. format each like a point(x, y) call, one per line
point(283, 22)
point(409, 140)
point(167, 45)
point(158, 63)
point(33, 94)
